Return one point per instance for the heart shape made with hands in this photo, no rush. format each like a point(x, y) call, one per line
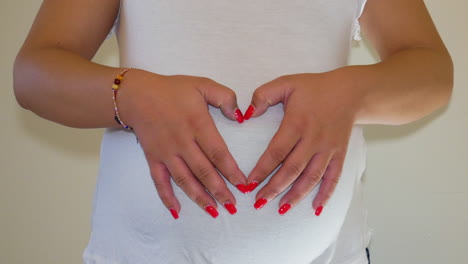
point(302, 152)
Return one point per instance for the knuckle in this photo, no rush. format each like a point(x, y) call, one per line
point(273, 190)
point(203, 173)
point(293, 170)
point(181, 181)
point(230, 95)
point(334, 180)
point(277, 155)
point(284, 80)
point(219, 194)
point(316, 175)
point(199, 199)
point(258, 95)
point(232, 172)
point(217, 155)
point(205, 80)
point(262, 172)
point(157, 183)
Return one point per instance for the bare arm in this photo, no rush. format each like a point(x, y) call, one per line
point(415, 76)
point(53, 74)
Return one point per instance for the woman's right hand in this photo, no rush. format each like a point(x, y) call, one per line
point(169, 114)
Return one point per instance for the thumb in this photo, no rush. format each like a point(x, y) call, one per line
point(268, 94)
point(222, 97)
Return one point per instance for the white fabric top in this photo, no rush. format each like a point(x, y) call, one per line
point(241, 44)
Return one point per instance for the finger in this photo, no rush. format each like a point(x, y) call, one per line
point(162, 182)
point(221, 97)
point(266, 95)
point(204, 171)
point(184, 178)
point(306, 182)
point(280, 146)
point(329, 181)
point(289, 171)
point(212, 144)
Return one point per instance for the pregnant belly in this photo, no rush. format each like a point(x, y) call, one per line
point(126, 197)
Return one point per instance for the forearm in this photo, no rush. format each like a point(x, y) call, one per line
point(404, 87)
point(63, 87)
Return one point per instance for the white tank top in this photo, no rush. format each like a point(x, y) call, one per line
point(241, 44)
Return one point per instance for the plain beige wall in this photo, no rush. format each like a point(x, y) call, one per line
point(416, 176)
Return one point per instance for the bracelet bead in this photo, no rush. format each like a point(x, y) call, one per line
point(115, 88)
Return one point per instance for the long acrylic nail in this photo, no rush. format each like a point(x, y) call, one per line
point(249, 112)
point(174, 213)
point(252, 186)
point(284, 209)
point(212, 211)
point(260, 203)
point(242, 188)
point(319, 210)
point(231, 208)
point(239, 116)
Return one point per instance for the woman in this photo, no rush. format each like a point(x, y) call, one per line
point(298, 142)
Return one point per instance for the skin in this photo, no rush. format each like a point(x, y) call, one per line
point(53, 71)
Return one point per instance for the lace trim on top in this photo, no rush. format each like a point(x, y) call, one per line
point(356, 26)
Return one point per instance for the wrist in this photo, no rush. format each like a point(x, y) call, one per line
point(357, 81)
point(123, 100)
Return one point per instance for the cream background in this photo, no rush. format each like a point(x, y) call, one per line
point(416, 178)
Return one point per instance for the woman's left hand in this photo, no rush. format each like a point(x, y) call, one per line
point(312, 140)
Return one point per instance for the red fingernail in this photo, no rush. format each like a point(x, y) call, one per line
point(249, 112)
point(319, 210)
point(174, 213)
point(212, 211)
point(260, 203)
point(252, 186)
point(231, 208)
point(284, 209)
point(242, 188)
point(239, 116)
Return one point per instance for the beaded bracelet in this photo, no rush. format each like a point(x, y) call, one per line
point(115, 87)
